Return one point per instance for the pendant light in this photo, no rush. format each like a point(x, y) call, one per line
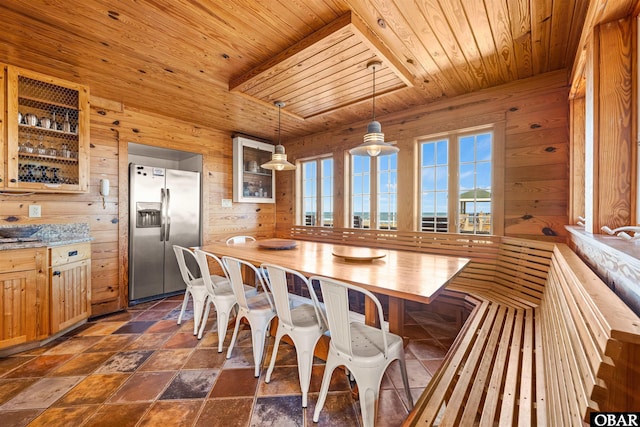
point(278, 160)
point(374, 144)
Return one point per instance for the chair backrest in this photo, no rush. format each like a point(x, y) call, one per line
point(336, 303)
point(181, 253)
point(203, 258)
point(240, 239)
point(278, 284)
point(234, 268)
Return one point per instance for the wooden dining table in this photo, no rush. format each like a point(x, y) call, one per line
point(400, 275)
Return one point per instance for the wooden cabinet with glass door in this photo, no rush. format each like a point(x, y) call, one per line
point(47, 133)
point(251, 182)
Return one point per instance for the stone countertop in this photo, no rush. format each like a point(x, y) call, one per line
point(53, 235)
point(43, 243)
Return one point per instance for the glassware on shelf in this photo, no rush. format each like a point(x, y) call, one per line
point(27, 147)
point(54, 123)
point(41, 149)
point(66, 125)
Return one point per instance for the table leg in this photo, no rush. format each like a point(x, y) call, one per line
point(396, 314)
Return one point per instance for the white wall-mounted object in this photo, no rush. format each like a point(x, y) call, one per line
point(252, 183)
point(104, 187)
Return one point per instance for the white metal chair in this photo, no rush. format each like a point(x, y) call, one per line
point(302, 319)
point(219, 293)
point(258, 309)
point(195, 286)
point(240, 239)
point(364, 350)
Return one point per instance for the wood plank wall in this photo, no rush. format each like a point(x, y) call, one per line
point(112, 127)
point(534, 115)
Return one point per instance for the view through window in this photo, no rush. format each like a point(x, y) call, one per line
point(317, 192)
point(455, 184)
point(383, 213)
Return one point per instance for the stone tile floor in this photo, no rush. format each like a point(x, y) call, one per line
point(139, 368)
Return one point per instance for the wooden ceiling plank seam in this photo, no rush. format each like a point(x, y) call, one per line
point(331, 78)
point(444, 48)
point(399, 35)
point(313, 65)
point(336, 29)
point(540, 29)
point(371, 39)
point(520, 19)
point(499, 26)
point(461, 29)
point(559, 34)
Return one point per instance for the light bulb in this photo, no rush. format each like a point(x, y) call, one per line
point(279, 167)
point(373, 150)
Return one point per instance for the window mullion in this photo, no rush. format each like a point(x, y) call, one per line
point(454, 191)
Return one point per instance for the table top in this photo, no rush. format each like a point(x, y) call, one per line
point(409, 275)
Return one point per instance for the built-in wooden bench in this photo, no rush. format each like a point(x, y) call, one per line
point(546, 342)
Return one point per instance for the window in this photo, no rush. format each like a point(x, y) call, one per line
point(383, 213)
point(455, 184)
point(317, 192)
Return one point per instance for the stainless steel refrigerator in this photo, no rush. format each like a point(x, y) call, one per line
point(164, 210)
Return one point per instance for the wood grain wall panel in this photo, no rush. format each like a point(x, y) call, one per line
point(534, 117)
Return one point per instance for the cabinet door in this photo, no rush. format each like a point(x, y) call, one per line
point(70, 294)
point(18, 308)
point(47, 133)
point(252, 183)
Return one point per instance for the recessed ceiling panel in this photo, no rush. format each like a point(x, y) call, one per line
point(325, 71)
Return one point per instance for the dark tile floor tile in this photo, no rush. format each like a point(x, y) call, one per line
point(284, 381)
point(172, 413)
point(83, 364)
point(339, 380)
point(10, 363)
point(167, 360)
point(164, 326)
point(64, 417)
point(148, 341)
point(181, 340)
point(41, 394)
point(235, 383)
point(175, 313)
point(94, 389)
point(134, 327)
point(391, 409)
point(338, 410)
point(121, 415)
point(152, 315)
point(206, 358)
point(10, 388)
point(277, 411)
point(101, 328)
point(18, 418)
point(194, 384)
point(39, 366)
point(229, 412)
point(113, 343)
point(426, 349)
point(143, 386)
point(127, 361)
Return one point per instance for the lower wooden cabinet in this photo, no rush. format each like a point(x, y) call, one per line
point(70, 278)
point(24, 296)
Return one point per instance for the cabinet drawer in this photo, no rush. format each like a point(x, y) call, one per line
point(19, 260)
point(70, 253)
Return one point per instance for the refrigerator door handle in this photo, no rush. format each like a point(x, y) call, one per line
point(163, 200)
point(168, 217)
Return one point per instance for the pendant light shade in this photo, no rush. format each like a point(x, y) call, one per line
point(374, 144)
point(278, 160)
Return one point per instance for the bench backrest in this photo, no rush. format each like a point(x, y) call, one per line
point(590, 342)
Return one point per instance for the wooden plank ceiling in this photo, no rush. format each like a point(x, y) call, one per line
point(223, 63)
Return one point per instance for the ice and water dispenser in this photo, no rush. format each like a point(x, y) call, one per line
point(148, 214)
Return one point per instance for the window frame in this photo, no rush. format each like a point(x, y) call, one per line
point(453, 162)
point(300, 211)
point(374, 171)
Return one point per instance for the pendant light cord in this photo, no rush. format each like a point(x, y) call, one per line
point(374, 92)
point(279, 107)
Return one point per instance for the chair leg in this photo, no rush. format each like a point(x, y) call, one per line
point(368, 391)
point(405, 380)
point(258, 337)
point(234, 336)
point(207, 308)
point(198, 308)
point(329, 367)
point(222, 319)
point(274, 354)
point(304, 353)
point(184, 305)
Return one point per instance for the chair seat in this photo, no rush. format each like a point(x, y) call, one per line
point(258, 302)
point(304, 316)
point(367, 342)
